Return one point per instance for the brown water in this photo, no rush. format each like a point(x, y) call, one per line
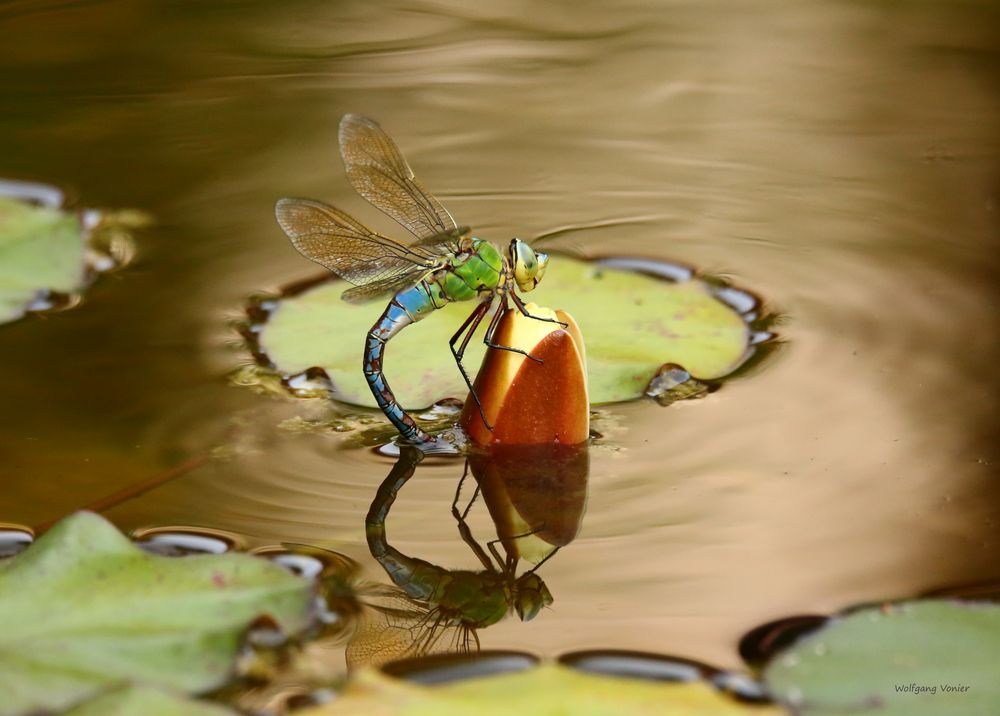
point(841, 159)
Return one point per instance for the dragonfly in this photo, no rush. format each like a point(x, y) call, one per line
point(428, 608)
point(445, 263)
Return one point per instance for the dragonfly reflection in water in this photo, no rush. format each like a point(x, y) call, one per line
point(430, 609)
point(444, 265)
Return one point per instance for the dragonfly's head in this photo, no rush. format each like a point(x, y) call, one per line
point(530, 595)
point(529, 265)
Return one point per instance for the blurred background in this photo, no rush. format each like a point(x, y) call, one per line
point(840, 159)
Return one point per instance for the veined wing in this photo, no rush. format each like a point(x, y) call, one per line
point(378, 172)
point(395, 626)
point(354, 252)
point(388, 285)
point(449, 242)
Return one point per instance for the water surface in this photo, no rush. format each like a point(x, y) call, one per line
point(838, 158)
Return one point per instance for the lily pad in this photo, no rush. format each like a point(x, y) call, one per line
point(42, 250)
point(549, 690)
point(145, 701)
point(924, 658)
point(632, 324)
point(48, 255)
point(83, 609)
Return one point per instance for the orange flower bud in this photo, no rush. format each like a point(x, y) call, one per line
point(531, 402)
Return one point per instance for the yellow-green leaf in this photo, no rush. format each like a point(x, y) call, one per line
point(41, 249)
point(631, 323)
point(549, 690)
point(83, 609)
point(921, 658)
point(145, 701)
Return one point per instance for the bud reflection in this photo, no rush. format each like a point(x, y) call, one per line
point(536, 495)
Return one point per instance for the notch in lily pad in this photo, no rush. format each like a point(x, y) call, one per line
point(635, 318)
point(49, 254)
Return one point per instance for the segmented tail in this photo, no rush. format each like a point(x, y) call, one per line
point(393, 320)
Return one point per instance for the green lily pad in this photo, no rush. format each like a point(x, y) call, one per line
point(83, 609)
point(548, 690)
point(924, 658)
point(47, 255)
point(145, 701)
point(42, 250)
point(632, 324)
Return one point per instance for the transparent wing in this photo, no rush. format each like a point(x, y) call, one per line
point(396, 626)
point(354, 252)
point(440, 245)
point(378, 172)
point(450, 242)
point(385, 286)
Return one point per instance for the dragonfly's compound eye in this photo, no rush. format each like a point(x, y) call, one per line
point(543, 261)
point(528, 266)
point(530, 596)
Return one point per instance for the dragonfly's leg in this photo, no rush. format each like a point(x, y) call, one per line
point(545, 559)
point(492, 545)
point(458, 493)
point(524, 311)
point(468, 507)
point(463, 527)
point(530, 532)
point(488, 339)
point(496, 554)
point(466, 533)
point(467, 537)
point(475, 318)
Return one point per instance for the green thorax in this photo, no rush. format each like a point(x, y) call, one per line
point(480, 598)
point(473, 272)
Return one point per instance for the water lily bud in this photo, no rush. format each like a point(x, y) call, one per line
point(531, 402)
